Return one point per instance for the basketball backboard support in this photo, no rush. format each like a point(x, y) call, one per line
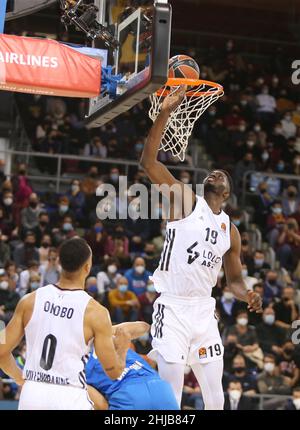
point(143, 30)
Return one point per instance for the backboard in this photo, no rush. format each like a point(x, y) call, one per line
point(143, 31)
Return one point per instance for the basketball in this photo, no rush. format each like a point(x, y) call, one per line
point(183, 66)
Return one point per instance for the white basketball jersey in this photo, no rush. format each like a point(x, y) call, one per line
point(193, 251)
point(56, 349)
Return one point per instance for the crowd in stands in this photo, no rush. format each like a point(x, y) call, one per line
point(254, 128)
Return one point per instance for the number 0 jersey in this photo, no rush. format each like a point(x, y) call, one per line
point(192, 255)
point(56, 349)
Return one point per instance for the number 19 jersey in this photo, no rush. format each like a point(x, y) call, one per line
point(56, 349)
point(192, 255)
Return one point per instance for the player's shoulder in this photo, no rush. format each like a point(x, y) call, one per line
point(95, 308)
point(27, 301)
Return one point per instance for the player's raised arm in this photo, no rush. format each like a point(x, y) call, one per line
point(233, 272)
point(155, 170)
point(13, 335)
point(112, 355)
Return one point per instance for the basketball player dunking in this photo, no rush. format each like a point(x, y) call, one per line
point(199, 237)
point(60, 322)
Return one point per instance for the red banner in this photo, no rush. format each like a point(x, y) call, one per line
point(42, 66)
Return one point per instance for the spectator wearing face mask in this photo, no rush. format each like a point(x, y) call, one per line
point(107, 279)
point(30, 214)
point(9, 298)
point(50, 271)
point(138, 276)
point(289, 364)
point(138, 231)
point(227, 307)
point(289, 129)
point(124, 304)
point(26, 251)
point(240, 373)
point(270, 337)
point(243, 166)
point(250, 281)
point(34, 282)
point(66, 230)
point(294, 403)
point(291, 201)
point(236, 218)
point(43, 227)
point(230, 351)
point(266, 106)
point(191, 395)
point(115, 240)
point(286, 310)
point(272, 286)
point(235, 400)
point(257, 264)
point(147, 300)
point(62, 211)
point(275, 223)
point(269, 381)
point(33, 268)
point(247, 338)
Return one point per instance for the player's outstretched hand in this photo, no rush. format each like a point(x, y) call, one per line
point(254, 302)
point(172, 101)
point(122, 339)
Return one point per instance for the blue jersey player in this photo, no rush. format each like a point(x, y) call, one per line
point(138, 388)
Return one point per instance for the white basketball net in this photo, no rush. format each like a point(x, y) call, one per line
point(181, 122)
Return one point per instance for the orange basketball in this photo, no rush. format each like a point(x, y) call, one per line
point(183, 66)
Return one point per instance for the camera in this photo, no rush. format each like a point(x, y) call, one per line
point(83, 16)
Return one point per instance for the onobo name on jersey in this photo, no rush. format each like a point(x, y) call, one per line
point(193, 251)
point(56, 349)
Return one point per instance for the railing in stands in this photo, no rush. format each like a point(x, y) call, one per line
point(61, 177)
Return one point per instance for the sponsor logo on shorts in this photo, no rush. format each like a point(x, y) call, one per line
point(202, 353)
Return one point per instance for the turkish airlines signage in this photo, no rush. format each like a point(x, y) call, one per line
point(42, 66)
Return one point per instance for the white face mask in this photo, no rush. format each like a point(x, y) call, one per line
point(242, 321)
point(139, 270)
point(3, 285)
point(112, 268)
point(228, 296)
point(8, 201)
point(235, 394)
point(221, 274)
point(185, 180)
point(269, 319)
point(297, 403)
point(269, 367)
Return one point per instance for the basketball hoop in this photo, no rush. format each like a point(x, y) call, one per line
point(199, 96)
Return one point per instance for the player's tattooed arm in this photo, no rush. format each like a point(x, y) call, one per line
point(111, 356)
point(233, 272)
point(134, 329)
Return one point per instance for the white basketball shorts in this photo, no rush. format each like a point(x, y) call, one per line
point(185, 330)
point(41, 396)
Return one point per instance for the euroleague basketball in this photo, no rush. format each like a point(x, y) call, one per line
point(183, 66)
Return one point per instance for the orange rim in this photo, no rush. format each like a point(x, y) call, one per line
point(175, 82)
